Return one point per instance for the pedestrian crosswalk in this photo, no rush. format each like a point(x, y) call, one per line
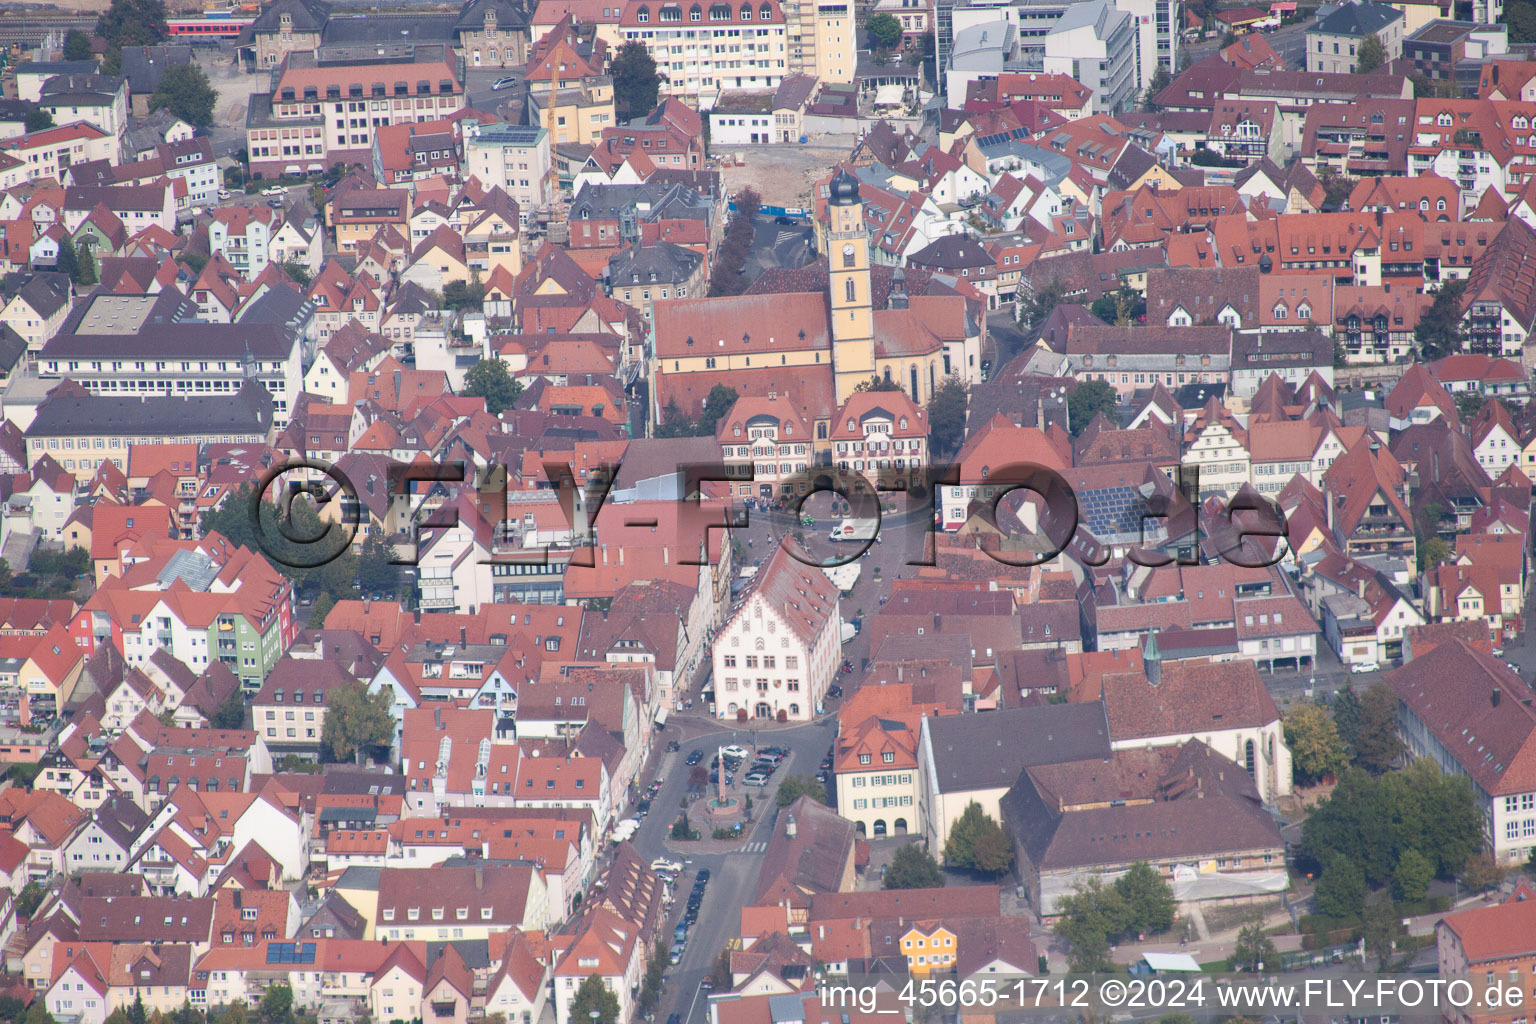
point(757, 847)
point(785, 236)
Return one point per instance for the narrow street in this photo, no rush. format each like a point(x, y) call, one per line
point(733, 871)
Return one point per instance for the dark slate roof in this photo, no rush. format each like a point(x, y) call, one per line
point(509, 14)
point(45, 292)
point(1204, 805)
point(1357, 19)
point(121, 819)
point(661, 263)
point(12, 347)
point(345, 29)
point(952, 252)
point(988, 751)
point(143, 65)
point(58, 67)
point(68, 412)
point(63, 88)
point(603, 202)
point(307, 15)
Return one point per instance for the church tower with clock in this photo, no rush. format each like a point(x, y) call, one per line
point(852, 301)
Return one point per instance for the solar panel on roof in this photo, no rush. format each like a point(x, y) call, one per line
point(291, 953)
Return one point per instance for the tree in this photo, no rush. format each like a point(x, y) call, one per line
point(356, 720)
point(1035, 307)
point(37, 119)
point(297, 272)
point(978, 843)
point(185, 91)
point(1372, 55)
point(133, 23)
point(635, 80)
point(136, 1012)
point(376, 572)
point(1316, 749)
point(85, 262)
point(277, 1004)
point(1090, 918)
point(1411, 879)
point(1439, 330)
point(681, 829)
point(322, 608)
point(716, 404)
point(1378, 746)
point(231, 713)
point(1433, 551)
point(1336, 188)
point(69, 261)
point(884, 31)
point(30, 898)
point(77, 45)
point(1161, 79)
point(1148, 898)
point(1341, 890)
point(655, 976)
point(1469, 404)
point(1253, 949)
point(1087, 400)
point(913, 868)
point(1345, 707)
point(1482, 872)
point(491, 380)
point(876, 383)
point(795, 786)
point(594, 994)
point(463, 295)
point(946, 416)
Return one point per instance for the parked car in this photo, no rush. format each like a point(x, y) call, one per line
point(756, 779)
point(224, 193)
point(694, 757)
point(735, 751)
point(1497, 652)
point(1364, 666)
point(273, 190)
point(675, 958)
point(662, 864)
point(503, 83)
point(786, 221)
point(276, 202)
point(834, 691)
point(703, 875)
point(642, 808)
point(778, 752)
point(708, 984)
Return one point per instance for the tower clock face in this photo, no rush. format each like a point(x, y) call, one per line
point(847, 250)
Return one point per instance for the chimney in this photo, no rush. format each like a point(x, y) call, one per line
point(479, 877)
point(463, 636)
point(1360, 587)
point(1496, 696)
